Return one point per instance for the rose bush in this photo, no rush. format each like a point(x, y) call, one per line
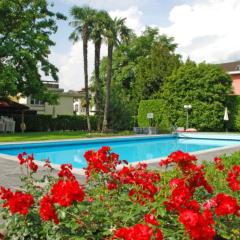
point(182, 200)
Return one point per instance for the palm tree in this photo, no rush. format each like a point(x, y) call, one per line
point(101, 18)
point(116, 32)
point(83, 19)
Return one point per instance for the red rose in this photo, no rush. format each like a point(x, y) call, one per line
point(66, 192)
point(233, 178)
point(225, 204)
point(47, 209)
point(18, 202)
point(188, 218)
point(66, 172)
point(138, 231)
point(218, 163)
point(151, 219)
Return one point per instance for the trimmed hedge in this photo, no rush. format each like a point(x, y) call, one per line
point(234, 113)
point(160, 118)
point(43, 123)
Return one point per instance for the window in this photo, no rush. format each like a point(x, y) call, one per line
point(76, 107)
point(36, 102)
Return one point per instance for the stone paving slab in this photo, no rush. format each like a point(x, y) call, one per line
point(10, 173)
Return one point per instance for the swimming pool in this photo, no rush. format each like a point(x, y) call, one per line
point(132, 149)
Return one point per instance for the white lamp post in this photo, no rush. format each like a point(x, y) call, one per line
point(226, 118)
point(187, 108)
point(150, 117)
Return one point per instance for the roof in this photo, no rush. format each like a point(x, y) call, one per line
point(72, 94)
point(8, 104)
point(231, 66)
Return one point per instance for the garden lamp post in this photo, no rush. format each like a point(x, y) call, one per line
point(187, 108)
point(226, 118)
point(150, 117)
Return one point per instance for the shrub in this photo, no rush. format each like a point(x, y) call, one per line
point(160, 118)
point(43, 123)
point(161, 115)
point(189, 202)
point(233, 104)
point(206, 87)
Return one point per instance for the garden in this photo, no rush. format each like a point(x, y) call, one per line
point(180, 200)
point(141, 73)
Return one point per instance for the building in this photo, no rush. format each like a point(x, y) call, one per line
point(233, 69)
point(79, 104)
point(66, 102)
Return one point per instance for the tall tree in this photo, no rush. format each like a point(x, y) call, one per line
point(115, 33)
point(205, 87)
point(25, 31)
point(99, 25)
point(139, 68)
point(152, 70)
point(83, 19)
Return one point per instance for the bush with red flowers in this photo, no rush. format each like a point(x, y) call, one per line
point(120, 201)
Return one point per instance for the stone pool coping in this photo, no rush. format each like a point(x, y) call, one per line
point(208, 154)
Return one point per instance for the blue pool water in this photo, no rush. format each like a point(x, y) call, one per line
point(132, 149)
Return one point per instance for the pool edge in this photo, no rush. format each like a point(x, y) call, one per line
point(208, 155)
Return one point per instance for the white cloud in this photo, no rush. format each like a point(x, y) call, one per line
point(71, 74)
point(207, 30)
point(133, 18)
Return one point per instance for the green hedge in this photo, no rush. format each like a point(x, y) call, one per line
point(37, 123)
point(160, 119)
point(234, 113)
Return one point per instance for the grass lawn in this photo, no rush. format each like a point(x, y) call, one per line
point(38, 136)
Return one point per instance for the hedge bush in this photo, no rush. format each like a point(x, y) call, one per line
point(206, 87)
point(37, 123)
point(234, 113)
point(160, 118)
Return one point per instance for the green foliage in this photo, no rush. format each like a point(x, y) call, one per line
point(205, 87)
point(116, 33)
point(233, 103)
point(26, 27)
point(103, 210)
point(227, 227)
point(156, 107)
point(36, 123)
point(121, 114)
point(139, 69)
point(151, 71)
point(141, 66)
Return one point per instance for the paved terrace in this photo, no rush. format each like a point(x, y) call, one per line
point(10, 173)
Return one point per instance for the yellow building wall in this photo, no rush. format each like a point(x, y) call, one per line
point(65, 106)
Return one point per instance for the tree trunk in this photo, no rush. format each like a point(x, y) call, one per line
point(85, 60)
point(97, 79)
point(108, 87)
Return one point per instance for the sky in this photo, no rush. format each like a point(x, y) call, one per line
point(205, 30)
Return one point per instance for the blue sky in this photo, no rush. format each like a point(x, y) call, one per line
point(205, 30)
point(154, 12)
